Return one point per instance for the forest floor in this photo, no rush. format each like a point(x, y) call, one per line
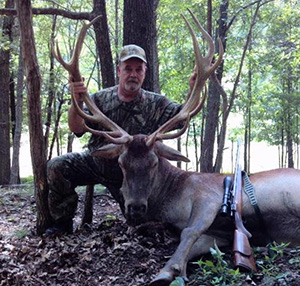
point(109, 252)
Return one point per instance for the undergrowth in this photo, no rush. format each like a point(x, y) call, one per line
point(218, 270)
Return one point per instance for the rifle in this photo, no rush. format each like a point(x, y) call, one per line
point(243, 256)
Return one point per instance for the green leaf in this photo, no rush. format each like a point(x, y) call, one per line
point(178, 282)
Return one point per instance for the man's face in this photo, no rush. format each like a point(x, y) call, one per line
point(131, 75)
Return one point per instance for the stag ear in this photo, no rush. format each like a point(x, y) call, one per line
point(109, 151)
point(169, 153)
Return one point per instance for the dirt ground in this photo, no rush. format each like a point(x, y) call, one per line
point(107, 252)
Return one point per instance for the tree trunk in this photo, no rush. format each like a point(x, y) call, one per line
point(178, 163)
point(108, 79)
point(213, 104)
point(140, 29)
point(70, 142)
point(12, 104)
point(103, 44)
point(4, 97)
point(289, 143)
point(37, 143)
point(15, 167)
point(186, 145)
point(88, 206)
point(56, 126)
point(247, 116)
point(196, 145)
point(51, 93)
point(226, 112)
point(211, 123)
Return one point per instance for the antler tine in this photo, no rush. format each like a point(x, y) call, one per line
point(193, 105)
point(163, 136)
point(73, 65)
point(211, 48)
point(113, 136)
point(117, 135)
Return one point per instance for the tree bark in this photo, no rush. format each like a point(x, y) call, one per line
point(103, 44)
point(289, 123)
point(140, 28)
point(213, 101)
point(4, 97)
point(88, 206)
point(51, 93)
point(56, 126)
point(15, 167)
point(37, 143)
point(196, 145)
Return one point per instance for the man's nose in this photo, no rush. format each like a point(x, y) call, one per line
point(133, 74)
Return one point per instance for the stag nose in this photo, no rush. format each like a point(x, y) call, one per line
point(137, 210)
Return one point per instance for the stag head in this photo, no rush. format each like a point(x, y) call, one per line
point(140, 156)
point(142, 168)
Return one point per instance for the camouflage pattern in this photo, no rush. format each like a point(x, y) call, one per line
point(142, 115)
point(132, 51)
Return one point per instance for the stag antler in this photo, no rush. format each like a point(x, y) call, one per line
point(117, 134)
point(204, 68)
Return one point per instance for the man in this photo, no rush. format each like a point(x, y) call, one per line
point(127, 104)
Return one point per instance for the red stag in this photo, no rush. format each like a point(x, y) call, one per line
point(153, 189)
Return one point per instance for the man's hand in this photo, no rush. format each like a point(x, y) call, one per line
point(78, 89)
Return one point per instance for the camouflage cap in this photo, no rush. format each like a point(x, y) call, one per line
point(132, 51)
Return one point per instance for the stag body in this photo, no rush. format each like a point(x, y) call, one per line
point(155, 190)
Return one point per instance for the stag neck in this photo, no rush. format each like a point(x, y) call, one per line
point(169, 178)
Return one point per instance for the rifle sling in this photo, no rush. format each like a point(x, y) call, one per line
point(250, 191)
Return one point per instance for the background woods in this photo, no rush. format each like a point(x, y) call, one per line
point(258, 82)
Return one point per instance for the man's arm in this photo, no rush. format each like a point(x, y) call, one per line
point(75, 121)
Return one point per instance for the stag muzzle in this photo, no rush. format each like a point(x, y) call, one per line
point(135, 212)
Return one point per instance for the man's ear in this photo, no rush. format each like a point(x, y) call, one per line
point(169, 153)
point(118, 70)
point(109, 151)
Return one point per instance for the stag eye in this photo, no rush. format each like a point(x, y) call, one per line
point(154, 163)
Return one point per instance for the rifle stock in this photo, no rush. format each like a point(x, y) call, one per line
point(242, 252)
point(243, 256)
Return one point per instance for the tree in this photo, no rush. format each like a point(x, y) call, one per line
point(14, 172)
point(140, 29)
point(5, 51)
point(37, 143)
point(103, 43)
point(214, 100)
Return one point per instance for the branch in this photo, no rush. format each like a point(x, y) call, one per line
point(51, 11)
point(244, 8)
point(236, 83)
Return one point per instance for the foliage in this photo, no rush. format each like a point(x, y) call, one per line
point(217, 271)
point(267, 264)
point(273, 61)
point(272, 92)
point(27, 180)
point(178, 282)
point(175, 46)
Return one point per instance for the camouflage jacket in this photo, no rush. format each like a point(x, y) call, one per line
point(143, 115)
